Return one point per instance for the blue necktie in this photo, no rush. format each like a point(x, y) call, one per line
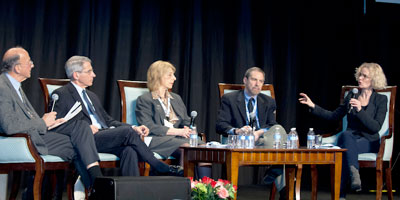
point(91, 110)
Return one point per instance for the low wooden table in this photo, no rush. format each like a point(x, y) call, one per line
point(234, 158)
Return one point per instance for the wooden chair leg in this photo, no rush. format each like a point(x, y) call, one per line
point(314, 182)
point(37, 183)
point(146, 169)
point(298, 180)
point(142, 168)
point(379, 184)
point(15, 184)
point(289, 178)
point(388, 172)
point(273, 192)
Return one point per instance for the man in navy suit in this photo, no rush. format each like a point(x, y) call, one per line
point(111, 136)
point(236, 109)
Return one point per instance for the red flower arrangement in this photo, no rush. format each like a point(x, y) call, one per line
point(209, 189)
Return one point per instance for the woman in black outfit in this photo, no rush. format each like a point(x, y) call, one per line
point(365, 112)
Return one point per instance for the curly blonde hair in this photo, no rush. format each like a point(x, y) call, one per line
point(155, 72)
point(378, 78)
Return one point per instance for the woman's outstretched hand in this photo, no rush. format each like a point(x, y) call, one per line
point(304, 99)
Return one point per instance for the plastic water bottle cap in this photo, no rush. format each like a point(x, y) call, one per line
point(293, 129)
point(311, 129)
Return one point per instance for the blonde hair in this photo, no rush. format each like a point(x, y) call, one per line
point(378, 78)
point(155, 72)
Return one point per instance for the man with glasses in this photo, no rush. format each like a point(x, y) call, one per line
point(235, 114)
point(111, 136)
point(18, 116)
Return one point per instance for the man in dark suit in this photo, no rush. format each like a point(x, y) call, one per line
point(18, 116)
point(234, 112)
point(236, 109)
point(111, 136)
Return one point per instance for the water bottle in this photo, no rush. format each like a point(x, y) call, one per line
point(194, 138)
point(250, 138)
point(242, 138)
point(292, 139)
point(277, 139)
point(310, 139)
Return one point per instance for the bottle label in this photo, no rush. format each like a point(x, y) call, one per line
point(193, 136)
point(311, 137)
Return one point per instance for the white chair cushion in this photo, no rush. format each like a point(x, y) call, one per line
point(367, 156)
point(15, 150)
point(108, 157)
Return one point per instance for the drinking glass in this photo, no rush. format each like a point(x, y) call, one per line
point(318, 141)
point(232, 141)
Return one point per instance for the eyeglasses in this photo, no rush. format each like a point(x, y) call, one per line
point(363, 76)
point(87, 71)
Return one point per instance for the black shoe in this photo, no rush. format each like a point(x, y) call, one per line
point(175, 170)
point(282, 194)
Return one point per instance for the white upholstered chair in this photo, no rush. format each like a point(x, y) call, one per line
point(107, 160)
point(381, 161)
point(129, 92)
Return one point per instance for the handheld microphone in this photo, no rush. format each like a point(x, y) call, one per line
point(355, 92)
point(54, 97)
point(252, 119)
point(193, 115)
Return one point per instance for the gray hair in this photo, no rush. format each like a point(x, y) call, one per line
point(248, 72)
point(75, 64)
point(8, 63)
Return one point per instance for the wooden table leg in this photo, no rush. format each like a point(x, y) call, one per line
point(336, 172)
point(188, 167)
point(232, 168)
point(314, 182)
point(289, 175)
point(298, 180)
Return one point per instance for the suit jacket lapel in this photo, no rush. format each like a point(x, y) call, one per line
point(371, 104)
point(241, 106)
point(77, 97)
point(158, 109)
point(18, 99)
point(178, 109)
point(261, 107)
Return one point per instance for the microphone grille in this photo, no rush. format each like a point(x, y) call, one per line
point(54, 97)
point(193, 113)
point(355, 91)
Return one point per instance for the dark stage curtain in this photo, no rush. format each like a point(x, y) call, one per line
point(303, 46)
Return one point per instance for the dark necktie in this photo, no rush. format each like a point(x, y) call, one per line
point(250, 105)
point(91, 110)
point(25, 101)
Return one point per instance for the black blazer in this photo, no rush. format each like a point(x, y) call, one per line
point(232, 112)
point(68, 95)
point(367, 122)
